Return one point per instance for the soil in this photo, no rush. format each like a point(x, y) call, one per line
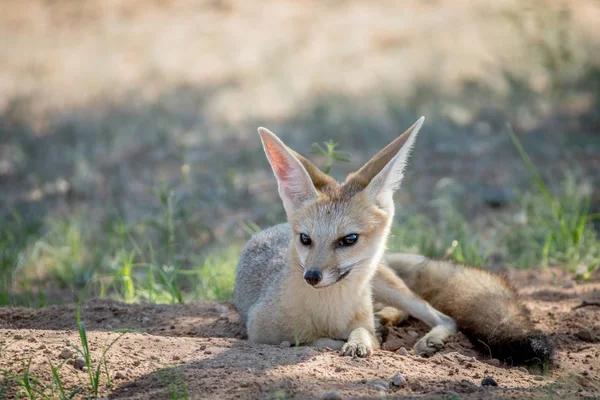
point(206, 343)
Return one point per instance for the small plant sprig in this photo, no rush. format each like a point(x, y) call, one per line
point(94, 374)
point(331, 153)
point(59, 385)
point(173, 378)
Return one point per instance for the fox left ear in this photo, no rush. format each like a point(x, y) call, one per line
point(381, 176)
point(297, 178)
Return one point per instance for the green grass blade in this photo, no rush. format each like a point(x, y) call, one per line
point(538, 178)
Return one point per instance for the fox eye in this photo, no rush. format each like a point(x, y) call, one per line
point(348, 241)
point(305, 239)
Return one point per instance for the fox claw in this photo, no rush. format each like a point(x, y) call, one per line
point(355, 349)
point(427, 347)
point(434, 340)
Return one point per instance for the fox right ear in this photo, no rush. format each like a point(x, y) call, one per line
point(295, 185)
point(382, 175)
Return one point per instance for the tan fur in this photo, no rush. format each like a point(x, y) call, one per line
point(390, 316)
point(484, 305)
point(271, 295)
point(443, 285)
point(318, 178)
point(279, 302)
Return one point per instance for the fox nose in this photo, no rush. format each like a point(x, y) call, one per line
point(313, 277)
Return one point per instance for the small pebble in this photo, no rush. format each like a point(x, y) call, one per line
point(523, 369)
point(284, 344)
point(494, 362)
point(136, 363)
point(310, 352)
point(331, 396)
point(402, 351)
point(66, 353)
point(585, 335)
point(79, 363)
point(120, 375)
point(221, 309)
point(381, 386)
point(489, 381)
point(398, 380)
point(176, 358)
point(569, 285)
point(203, 347)
point(538, 378)
point(467, 386)
point(84, 368)
point(18, 337)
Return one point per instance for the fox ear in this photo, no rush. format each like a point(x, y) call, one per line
point(382, 175)
point(318, 178)
point(295, 184)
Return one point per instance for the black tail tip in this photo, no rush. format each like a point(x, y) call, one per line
point(533, 349)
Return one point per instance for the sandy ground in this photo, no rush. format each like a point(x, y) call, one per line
point(205, 342)
point(100, 100)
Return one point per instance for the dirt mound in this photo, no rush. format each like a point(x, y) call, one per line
point(200, 348)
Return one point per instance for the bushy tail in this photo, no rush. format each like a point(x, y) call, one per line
point(484, 305)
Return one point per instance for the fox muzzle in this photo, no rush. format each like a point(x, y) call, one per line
point(313, 277)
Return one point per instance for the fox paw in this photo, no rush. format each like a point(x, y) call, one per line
point(434, 340)
point(355, 349)
point(428, 346)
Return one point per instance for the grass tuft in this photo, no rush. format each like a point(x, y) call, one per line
point(548, 229)
point(558, 228)
point(173, 379)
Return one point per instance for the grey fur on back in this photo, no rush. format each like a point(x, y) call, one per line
point(260, 266)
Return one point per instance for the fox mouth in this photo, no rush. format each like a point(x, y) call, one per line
point(344, 272)
point(343, 275)
point(339, 278)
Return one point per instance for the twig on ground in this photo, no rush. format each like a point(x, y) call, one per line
point(585, 303)
point(488, 347)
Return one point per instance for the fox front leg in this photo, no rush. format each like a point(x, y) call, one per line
point(361, 343)
point(389, 289)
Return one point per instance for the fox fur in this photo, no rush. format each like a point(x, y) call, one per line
point(315, 280)
point(489, 312)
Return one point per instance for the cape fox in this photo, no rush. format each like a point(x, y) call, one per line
point(317, 279)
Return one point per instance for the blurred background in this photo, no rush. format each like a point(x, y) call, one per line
point(130, 165)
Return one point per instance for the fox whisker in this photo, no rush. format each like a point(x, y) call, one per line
point(354, 266)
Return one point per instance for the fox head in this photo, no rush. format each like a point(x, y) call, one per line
point(339, 230)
